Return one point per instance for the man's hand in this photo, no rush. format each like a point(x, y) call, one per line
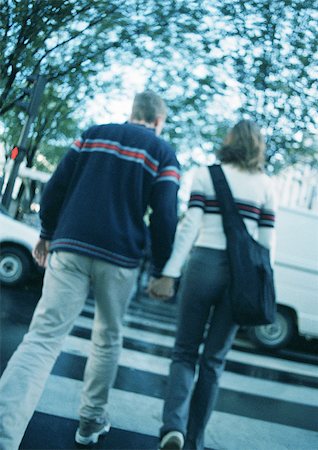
point(161, 288)
point(41, 251)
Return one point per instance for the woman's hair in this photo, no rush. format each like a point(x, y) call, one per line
point(148, 106)
point(244, 147)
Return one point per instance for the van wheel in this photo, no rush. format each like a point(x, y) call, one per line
point(275, 335)
point(15, 266)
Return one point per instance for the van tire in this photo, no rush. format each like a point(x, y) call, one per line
point(15, 266)
point(278, 334)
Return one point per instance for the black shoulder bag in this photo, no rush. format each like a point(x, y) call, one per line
point(251, 290)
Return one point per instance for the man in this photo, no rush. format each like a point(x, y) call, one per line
point(92, 213)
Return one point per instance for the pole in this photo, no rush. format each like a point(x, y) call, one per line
point(22, 144)
point(7, 196)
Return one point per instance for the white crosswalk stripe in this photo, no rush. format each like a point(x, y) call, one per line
point(242, 383)
point(224, 431)
point(139, 411)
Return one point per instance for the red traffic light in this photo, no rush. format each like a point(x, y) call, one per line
point(14, 152)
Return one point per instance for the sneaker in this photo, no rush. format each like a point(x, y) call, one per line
point(172, 441)
point(89, 431)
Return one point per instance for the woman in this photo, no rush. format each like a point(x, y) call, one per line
point(204, 314)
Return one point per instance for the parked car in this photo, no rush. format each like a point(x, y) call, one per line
point(296, 280)
point(17, 241)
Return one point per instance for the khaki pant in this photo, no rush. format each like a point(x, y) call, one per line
point(65, 290)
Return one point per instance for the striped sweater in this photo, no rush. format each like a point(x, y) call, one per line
point(202, 225)
point(95, 202)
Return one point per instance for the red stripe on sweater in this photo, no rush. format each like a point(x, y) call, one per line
point(169, 173)
point(267, 217)
point(121, 151)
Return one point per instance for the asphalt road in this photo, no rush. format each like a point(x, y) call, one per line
point(268, 400)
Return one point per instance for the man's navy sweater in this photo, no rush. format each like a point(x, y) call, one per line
point(95, 202)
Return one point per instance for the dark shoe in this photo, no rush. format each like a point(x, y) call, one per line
point(172, 441)
point(89, 431)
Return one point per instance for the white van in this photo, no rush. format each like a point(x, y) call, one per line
point(296, 279)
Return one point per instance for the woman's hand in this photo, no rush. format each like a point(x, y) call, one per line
point(161, 288)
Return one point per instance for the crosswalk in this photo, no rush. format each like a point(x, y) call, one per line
point(265, 403)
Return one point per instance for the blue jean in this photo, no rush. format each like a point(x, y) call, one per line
point(204, 318)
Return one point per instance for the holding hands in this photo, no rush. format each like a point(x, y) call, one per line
point(161, 288)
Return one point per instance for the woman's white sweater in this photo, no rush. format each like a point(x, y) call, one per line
point(202, 224)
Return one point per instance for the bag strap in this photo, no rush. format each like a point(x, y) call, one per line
point(230, 214)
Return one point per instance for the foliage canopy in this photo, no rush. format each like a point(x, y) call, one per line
point(214, 62)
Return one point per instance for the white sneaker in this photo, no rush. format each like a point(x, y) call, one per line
point(172, 441)
point(89, 431)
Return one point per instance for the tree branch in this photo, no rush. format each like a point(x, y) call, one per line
point(74, 36)
point(76, 64)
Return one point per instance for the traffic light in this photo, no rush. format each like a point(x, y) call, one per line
point(14, 153)
point(34, 91)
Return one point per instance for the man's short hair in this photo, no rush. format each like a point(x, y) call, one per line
point(148, 106)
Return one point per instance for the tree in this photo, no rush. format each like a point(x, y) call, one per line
point(214, 62)
point(242, 58)
point(274, 51)
point(71, 42)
